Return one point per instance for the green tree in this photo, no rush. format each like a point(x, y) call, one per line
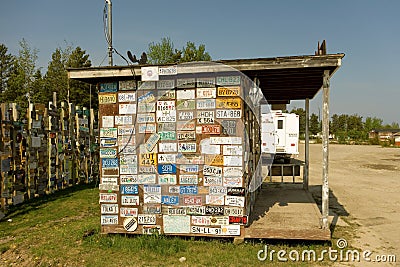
point(164, 52)
point(6, 64)
point(192, 53)
point(79, 92)
point(19, 84)
point(56, 78)
point(314, 124)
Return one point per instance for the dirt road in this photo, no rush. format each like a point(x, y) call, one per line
point(365, 191)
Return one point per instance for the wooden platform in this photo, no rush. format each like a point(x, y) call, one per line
point(285, 211)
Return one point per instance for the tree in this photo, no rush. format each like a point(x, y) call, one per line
point(314, 124)
point(56, 78)
point(6, 64)
point(19, 84)
point(192, 53)
point(79, 92)
point(164, 52)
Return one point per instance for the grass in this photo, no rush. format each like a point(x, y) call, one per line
point(63, 229)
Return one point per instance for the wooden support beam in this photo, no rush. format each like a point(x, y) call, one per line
point(307, 146)
point(325, 151)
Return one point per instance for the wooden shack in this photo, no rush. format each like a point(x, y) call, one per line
point(180, 148)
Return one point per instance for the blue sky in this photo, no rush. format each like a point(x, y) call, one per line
point(368, 32)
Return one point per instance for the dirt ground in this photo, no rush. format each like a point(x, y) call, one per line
point(365, 191)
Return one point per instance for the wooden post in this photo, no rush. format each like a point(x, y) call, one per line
point(325, 151)
point(307, 147)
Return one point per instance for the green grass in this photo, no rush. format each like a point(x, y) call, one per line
point(64, 229)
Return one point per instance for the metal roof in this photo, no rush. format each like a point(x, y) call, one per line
point(281, 79)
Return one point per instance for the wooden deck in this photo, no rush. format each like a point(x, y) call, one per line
point(285, 211)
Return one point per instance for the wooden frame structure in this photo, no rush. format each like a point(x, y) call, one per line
point(281, 80)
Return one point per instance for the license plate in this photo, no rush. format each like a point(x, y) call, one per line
point(109, 208)
point(206, 92)
point(229, 103)
point(188, 190)
point(146, 219)
point(214, 210)
point(229, 113)
point(144, 118)
point(107, 99)
point(108, 163)
point(148, 159)
point(126, 97)
point(186, 136)
point(108, 132)
point(127, 85)
point(109, 219)
point(210, 129)
point(130, 200)
point(166, 168)
point(228, 80)
point(188, 179)
point(205, 103)
point(128, 212)
point(234, 201)
point(129, 189)
point(127, 108)
point(123, 120)
point(166, 84)
point(108, 87)
point(170, 200)
point(212, 170)
point(108, 152)
point(167, 135)
point(187, 147)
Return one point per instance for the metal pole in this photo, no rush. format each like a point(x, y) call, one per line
point(325, 150)
point(307, 147)
point(109, 32)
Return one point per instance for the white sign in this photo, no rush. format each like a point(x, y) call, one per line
point(232, 181)
point(144, 107)
point(108, 132)
point(145, 118)
point(147, 128)
point(205, 104)
point(128, 179)
point(148, 178)
point(176, 224)
point(207, 148)
point(146, 219)
point(168, 147)
point(166, 158)
point(215, 200)
point(109, 208)
point(187, 147)
point(126, 130)
point(107, 121)
point(201, 220)
point(188, 179)
point(212, 181)
point(109, 180)
point(233, 211)
point(166, 116)
point(170, 70)
point(130, 200)
point(128, 212)
point(123, 120)
point(226, 140)
point(206, 93)
point(186, 94)
point(234, 201)
point(165, 84)
point(217, 191)
point(127, 108)
point(229, 113)
point(149, 73)
point(185, 115)
point(186, 83)
point(126, 97)
point(212, 171)
point(233, 161)
point(152, 141)
point(109, 219)
point(167, 179)
point(108, 198)
point(233, 150)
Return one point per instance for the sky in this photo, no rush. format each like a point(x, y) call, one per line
point(366, 31)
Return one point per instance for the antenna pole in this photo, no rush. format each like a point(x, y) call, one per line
point(109, 31)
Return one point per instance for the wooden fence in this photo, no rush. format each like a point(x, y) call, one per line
point(44, 149)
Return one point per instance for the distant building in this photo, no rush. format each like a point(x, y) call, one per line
point(384, 134)
point(397, 139)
